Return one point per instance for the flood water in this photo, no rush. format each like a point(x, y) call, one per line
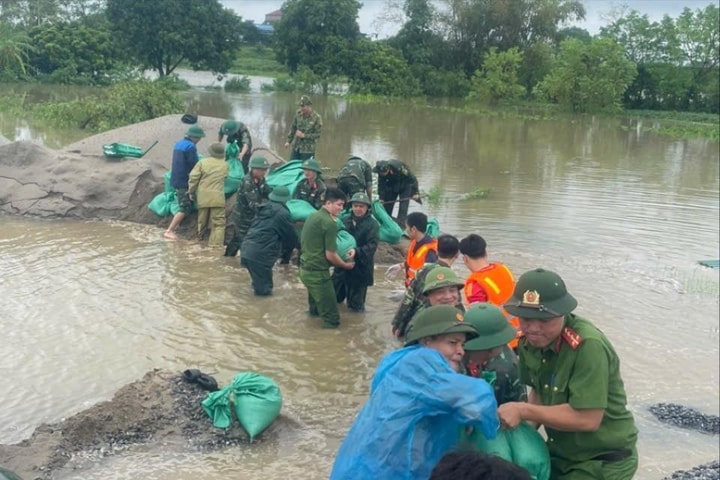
point(622, 215)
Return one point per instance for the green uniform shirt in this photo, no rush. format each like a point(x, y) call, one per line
point(313, 193)
point(319, 234)
point(587, 377)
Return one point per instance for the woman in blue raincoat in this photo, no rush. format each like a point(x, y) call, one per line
point(418, 404)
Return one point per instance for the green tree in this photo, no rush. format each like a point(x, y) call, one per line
point(381, 70)
point(589, 77)
point(497, 80)
point(73, 52)
point(161, 34)
point(29, 13)
point(474, 26)
point(15, 47)
point(319, 34)
point(537, 62)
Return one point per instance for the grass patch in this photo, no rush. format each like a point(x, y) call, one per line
point(678, 124)
point(257, 60)
point(237, 84)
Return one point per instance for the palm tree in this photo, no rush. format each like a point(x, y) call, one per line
point(15, 47)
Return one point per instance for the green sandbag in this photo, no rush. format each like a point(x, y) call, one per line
point(345, 243)
point(390, 231)
point(8, 475)
point(234, 177)
point(160, 204)
point(257, 401)
point(287, 175)
point(523, 446)
point(232, 150)
point(217, 407)
point(166, 180)
point(433, 228)
point(300, 210)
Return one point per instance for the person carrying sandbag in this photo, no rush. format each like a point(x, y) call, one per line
point(206, 186)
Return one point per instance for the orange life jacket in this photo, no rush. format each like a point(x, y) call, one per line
point(498, 282)
point(416, 259)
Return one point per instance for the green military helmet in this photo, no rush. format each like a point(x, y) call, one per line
point(438, 320)
point(259, 162)
point(195, 132)
point(382, 166)
point(280, 194)
point(440, 277)
point(540, 294)
point(312, 164)
point(230, 127)
point(493, 328)
point(304, 100)
point(217, 150)
point(360, 197)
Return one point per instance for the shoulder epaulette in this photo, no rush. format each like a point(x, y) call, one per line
point(571, 337)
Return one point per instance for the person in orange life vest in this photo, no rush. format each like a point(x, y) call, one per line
point(423, 248)
point(490, 282)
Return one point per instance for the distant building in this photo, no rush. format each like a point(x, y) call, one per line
point(273, 17)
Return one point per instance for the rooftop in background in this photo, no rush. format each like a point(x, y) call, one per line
point(273, 16)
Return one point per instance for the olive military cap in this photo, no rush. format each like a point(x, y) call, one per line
point(381, 166)
point(438, 320)
point(493, 328)
point(304, 100)
point(360, 197)
point(195, 132)
point(229, 127)
point(440, 277)
point(259, 162)
point(217, 150)
point(280, 194)
point(312, 164)
point(540, 294)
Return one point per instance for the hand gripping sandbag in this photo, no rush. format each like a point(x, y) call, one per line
point(523, 446)
point(234, 177)
point(257, 401)
point(345, 242)
point(390, 231)
point(300, 210)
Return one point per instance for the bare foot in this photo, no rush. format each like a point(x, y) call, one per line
point(170, 235)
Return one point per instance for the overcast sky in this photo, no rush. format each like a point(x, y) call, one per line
point(374, 21)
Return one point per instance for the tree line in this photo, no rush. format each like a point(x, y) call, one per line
point(486, 51)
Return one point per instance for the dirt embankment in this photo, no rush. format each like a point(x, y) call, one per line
point(158, 410)
point(78, 181)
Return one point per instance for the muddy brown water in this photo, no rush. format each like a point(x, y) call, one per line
point(622, 215)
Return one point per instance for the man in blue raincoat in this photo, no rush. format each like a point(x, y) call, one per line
point(418, 404)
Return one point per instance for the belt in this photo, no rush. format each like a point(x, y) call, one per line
point(614, 456)
point(314, 269)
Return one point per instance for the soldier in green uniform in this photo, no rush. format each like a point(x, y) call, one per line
point(576, 389)
point(304, 131)
point(318, 242)
point(414, 299)
point(355, 176)
point(239, 136)
point(253, 190)
point(353, 284)
point(396, 183)
point(489, 357)
point(270, 231)
point(312, 189)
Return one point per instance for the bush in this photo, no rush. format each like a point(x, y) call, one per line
point(121, 104)
point(237, 84)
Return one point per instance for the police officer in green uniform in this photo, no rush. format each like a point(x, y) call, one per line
point(318, 243)
point(253, 191)
point(355, 176)
point(576, 389)
point(304, 131)
point(312, 188)
point(238, 137)
point(489, 357)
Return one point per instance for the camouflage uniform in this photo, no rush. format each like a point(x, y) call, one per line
point(501, 372)
point(237, 135)
point(399, 184)
point(355, 176)
point(249, 196)
point(311, 126)
point(414, 300)
point(313, 194)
